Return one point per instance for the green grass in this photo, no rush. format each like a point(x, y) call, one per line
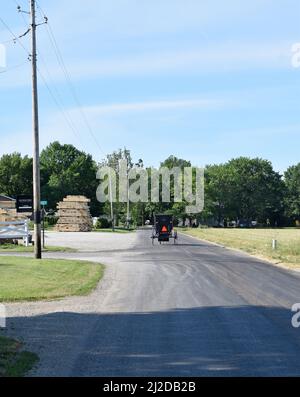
point(27, 279)
point(14, 362)
point(22, 248)
point(256, 242)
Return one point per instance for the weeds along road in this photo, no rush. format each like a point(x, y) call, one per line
point(191, 309)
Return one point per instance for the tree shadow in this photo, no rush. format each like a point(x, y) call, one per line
point(206, 341)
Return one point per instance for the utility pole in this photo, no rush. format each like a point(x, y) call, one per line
point(128, 202)
point(111, 203)
point(36, 146)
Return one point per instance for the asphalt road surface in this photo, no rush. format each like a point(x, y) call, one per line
point(192, 309)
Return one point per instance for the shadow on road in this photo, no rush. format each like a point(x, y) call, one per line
point(208, 341)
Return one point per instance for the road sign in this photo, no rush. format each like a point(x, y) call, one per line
point(24, 203)
point(44, 203)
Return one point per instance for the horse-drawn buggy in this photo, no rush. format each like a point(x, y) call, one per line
point(163, 229)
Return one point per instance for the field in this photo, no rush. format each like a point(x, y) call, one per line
point(256, 242)
point(29, 279)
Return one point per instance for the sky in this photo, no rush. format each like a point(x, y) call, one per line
point(205, 80)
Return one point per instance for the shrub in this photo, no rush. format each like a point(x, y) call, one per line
point(103, 223)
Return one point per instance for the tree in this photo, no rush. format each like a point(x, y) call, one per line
point(217, 200)
point(172, 208)
point(15, 174)
point(292, 198)
point(257, 190)
point(112, 161)
point(67, 171)
point(173, 161)
point(245, 188)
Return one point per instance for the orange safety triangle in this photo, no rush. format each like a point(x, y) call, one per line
point(164, 229)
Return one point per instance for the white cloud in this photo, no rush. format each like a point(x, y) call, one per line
point(154, 106)
point(217, 58)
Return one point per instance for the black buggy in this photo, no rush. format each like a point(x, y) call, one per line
point(163, 229)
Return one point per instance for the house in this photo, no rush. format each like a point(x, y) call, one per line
point(7, 202)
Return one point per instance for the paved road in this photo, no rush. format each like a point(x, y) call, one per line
point(193, 309)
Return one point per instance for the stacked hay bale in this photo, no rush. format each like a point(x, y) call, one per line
point(74, 215)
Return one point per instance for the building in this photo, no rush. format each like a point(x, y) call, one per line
point(8, 211)
point(7, 203)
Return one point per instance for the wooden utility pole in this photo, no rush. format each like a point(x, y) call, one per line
point(111, 204)
point(128, 202)
point(36, 146)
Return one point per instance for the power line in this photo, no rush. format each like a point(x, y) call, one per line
point(14, 67)
point(20, 12)
point(58, 103)
point(73, 92)
point(63, 67)
point(75, 97)
point(8, 41)
point(16, 38)
point(68, 79)
point(60, 107)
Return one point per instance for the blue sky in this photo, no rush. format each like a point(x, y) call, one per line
point(204, 80)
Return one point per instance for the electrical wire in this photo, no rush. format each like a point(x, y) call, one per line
point(14, 67)
point(20, 12)
point(17, 39)
point(59, 101)
point(61, 62)
point(60, 107)
point(68, 79)
point(73, 92)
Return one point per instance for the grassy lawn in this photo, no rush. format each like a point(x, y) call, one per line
point(256, 241)
point(21, 248)
point(14, 362)
point(29, 279)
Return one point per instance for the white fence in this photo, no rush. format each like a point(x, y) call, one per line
point(15, 231)
point(2, 316)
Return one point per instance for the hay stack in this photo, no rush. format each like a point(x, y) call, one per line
point(74, 215)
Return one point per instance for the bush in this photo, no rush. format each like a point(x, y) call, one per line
point(51, 220)
point(103, 223)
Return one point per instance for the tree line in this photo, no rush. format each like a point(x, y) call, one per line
point(242, 189)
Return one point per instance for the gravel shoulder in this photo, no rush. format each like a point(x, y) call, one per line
point(93, 241)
